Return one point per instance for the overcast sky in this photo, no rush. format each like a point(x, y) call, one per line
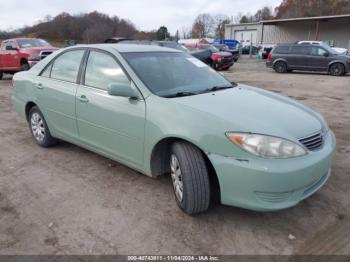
point(145, 14)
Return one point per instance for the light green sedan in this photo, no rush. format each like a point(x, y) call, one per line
point(161, 111)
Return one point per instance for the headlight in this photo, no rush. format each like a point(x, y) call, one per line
point(34, 56)
point(267, 146)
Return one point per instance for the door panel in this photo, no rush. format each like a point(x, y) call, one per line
point(12, 56)
point(57, 101)
point(56, 94)
point(299, 57)
point(112, 124)
point(317, 60)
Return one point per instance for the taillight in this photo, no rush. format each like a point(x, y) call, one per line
point(269, 57)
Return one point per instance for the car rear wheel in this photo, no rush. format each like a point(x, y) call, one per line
point(337, 69)
point(280, 67)
point(190, 178)
point(1, 74)
point(39, 129)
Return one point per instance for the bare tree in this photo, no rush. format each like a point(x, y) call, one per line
point(185, 32)
point(221, 21)
point(237, 19)
point(203, 26)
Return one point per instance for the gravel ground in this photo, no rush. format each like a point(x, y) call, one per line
point(66, 200)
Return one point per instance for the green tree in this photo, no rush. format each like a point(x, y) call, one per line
point(162, 33)
point(244, 20)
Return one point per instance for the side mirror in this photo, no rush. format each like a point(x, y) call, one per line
point(10, 48)
point(326, 54)
point(122, 89)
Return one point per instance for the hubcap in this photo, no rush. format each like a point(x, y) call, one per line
point(38, 128)
point(176, 177)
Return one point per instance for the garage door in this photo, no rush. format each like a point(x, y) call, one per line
point(244, 36)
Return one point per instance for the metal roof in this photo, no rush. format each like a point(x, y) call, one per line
point(305, 18)
point(294, 19)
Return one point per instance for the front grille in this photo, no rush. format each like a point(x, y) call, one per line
point(44, 54)
point(313, 142)
point(227, 59)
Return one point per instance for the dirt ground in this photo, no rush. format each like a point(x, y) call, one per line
point(67, 200)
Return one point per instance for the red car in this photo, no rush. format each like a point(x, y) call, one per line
point(217, 59)
point(22, 53)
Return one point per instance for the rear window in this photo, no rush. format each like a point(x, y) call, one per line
point(282, 49)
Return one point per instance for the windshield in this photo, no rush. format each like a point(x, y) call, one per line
point(28, 43)
point(169, 74)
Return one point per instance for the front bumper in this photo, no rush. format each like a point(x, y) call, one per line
point(273, 184)
point(224, 64)
point(32, 63)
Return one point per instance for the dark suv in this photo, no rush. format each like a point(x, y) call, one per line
point(305, 57)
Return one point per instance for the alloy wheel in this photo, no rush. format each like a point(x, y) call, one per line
point(38, 127)
point(176, 177)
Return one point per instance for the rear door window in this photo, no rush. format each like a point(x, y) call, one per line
point(283, 49)
point(300, 50)
point(66, 66)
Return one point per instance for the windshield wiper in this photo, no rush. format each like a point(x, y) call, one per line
point(217, 88)
point(180, 94)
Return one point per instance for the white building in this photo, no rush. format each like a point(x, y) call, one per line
point(335, 29)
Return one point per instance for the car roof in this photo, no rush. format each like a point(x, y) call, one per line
point(134, 48)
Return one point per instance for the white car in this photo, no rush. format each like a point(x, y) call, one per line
point(340, 50)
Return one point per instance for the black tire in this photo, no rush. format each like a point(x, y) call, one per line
point(25, 67)
point(194, 177)
point(337, 69)
point(280, 67)
point(43, 136)
point(1, 75)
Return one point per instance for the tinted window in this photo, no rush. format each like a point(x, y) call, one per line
point(10, 43)
point(102, 69)
point(28, 43)
point(283, 49)
point(300, 50)
point(66, 66)
point(317, 51)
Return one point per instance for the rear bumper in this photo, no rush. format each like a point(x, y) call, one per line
point(265, 185)
point(269, 63)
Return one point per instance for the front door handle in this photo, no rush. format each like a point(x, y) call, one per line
point(39, 85)
point(83, 99)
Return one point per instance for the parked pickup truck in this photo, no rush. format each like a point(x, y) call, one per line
point(22, 53)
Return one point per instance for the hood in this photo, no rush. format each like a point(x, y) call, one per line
point(222, 54)
point(35, 50)
point(249, 109)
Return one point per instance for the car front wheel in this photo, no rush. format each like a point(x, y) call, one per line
point(190, 178)
point(39, 129)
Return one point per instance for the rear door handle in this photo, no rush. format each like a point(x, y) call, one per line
point(83, 99)
point(39, 85)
